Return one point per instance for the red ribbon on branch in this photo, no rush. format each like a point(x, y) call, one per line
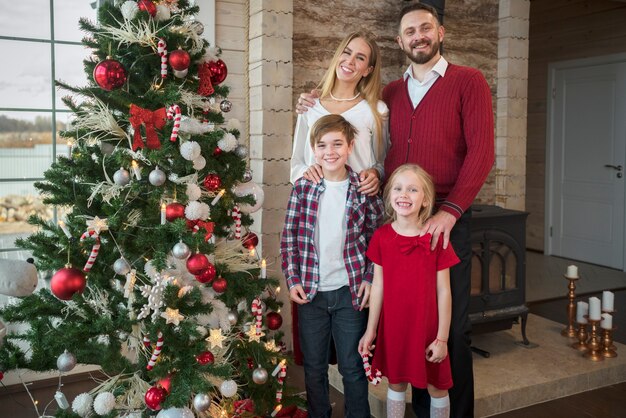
point(206, 87)
point(196, 225)
point(152, 120)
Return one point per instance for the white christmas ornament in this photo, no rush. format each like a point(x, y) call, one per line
point(17, 277)
point(228, 143)
point(162, 13)
point(121, 266)
point(181, 251)
point(250, 189)
point(201, 402)
point(104, 403)
point(66, 361)
point(199, 163)
point(129, 10)
point(150, 270)
point(190, 150)
point(197, 210)
point(157, 177)
point(121, 177)
point(82, 404)
point(228, 388)
point(175, 413)
point(193, 191)
point(155, 299)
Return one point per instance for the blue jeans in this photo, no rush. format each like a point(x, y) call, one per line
point(331, 313)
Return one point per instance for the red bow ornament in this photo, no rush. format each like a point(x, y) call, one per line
point(196, 225)
point(152, 120)
point(206, 87)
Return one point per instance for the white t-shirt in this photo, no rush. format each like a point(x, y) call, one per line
point(365, 153)
point(330, 235)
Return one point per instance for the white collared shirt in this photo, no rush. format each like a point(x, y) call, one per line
point(418, 89)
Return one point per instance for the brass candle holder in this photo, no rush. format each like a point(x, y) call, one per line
point(569, 330)
point(608, 349)
point(594, 345)
point(581, 335)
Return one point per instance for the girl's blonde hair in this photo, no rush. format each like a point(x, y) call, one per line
point(428, 188)
point(369, 86)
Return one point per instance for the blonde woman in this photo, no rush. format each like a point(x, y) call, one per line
point(351, 88)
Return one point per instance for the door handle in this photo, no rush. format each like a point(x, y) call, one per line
point(615, 167)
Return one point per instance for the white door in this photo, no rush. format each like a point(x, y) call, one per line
point(587, 136)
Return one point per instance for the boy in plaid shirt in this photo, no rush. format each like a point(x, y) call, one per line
point(327, 229)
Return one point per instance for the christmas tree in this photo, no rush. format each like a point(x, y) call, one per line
point(155, 278)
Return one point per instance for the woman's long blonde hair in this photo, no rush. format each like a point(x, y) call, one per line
point(369, 86)
point(428, 188)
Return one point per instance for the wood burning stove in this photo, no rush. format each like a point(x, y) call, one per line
point(498, 297)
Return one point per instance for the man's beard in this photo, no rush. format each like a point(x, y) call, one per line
point(423, 57)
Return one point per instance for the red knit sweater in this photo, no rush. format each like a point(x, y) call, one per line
point(450, 134)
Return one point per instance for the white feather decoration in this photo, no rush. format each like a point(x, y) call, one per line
point(162, 13)
point(129, 10)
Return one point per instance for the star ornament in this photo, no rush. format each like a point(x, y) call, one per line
point(271, 346)
point(97, 224)
point(216, 338)
point(172, 316)
point(253, 336)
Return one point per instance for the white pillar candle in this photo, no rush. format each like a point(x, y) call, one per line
point(594, 309)
point(64, 229)
point(163, 213)
point(607, 301)
point(136, 170)
point(263, 269)
point(572, 271)
point(607, 321)
point(582, 309)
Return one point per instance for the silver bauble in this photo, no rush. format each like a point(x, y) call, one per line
point(181, 251)
point(121, 266)
point(232, 318)
point(121, 177)
point(198, 27)
point(259, 375)
point(181, 73)
point(66, 361)
point(226, 105)
point(247, 176)
point(201, 402)
point(228, 388)
point(241, 151)
point(157, 177)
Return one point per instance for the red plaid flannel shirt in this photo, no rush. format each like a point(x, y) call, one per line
point(297, 247)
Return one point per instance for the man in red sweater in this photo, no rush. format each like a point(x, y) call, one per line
point(441, 118)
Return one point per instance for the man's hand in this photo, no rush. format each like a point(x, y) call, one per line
point(297, 294)
point(306, 100)
point(314, 173)
point(441, 223)
point(364, 294)
point(370, 183)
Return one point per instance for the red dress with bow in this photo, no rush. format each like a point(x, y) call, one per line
point(409, 318)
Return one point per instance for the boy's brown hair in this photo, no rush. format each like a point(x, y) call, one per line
point(332, 123)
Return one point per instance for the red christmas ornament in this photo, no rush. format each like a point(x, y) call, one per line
point(179, 59)
point(165, 383)
point(218, 71)
point(273, 320)
point(287, 411)
point(217, 151)
point(197, 263)
point(66, 282)
point(207, 274)
point(174, 211)
point(109, 74)
point(154, 397)
point(212, 182)
point(250, 363)
point(206, 357)
point(250, 241)
point(219, 285)
point(147, 6)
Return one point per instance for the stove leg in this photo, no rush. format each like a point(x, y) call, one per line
point(524, 320)
point(481, 352)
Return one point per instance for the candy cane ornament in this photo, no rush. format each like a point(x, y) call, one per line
point(94, 250)
point(173, 112)
point(236, 213)
point(281, 380)
point(156, 352)
point(162, 50)
point(257, 311)
point(373, 375)
point(146, 341)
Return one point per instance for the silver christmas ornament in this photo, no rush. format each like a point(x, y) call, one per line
point(66, 361)
point(247, 176)
point(226, 105)
point(259, 375)
point(181, 250)
point(201, 402)
point(121, 266)
point(157, 177)
point(198, 27)
point(232, 318)
point(228, 388)
point(121, 177)
point(241, 151)
point(181, 73)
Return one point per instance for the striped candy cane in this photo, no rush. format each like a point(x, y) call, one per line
point(236, 213)
point(162, 50)
point(257, 311)
point(94, 250)
point(281, 380)
point(146, 341)
point(374, 376)
point(173, 112)
point(156, 352)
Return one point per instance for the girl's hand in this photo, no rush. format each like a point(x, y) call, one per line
point(298, 295)
point(370, 183)
point(437, 351)
point(314, 173)
point(365, 344)
point(364, 295)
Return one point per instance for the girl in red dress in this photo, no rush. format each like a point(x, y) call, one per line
point(410, 300)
